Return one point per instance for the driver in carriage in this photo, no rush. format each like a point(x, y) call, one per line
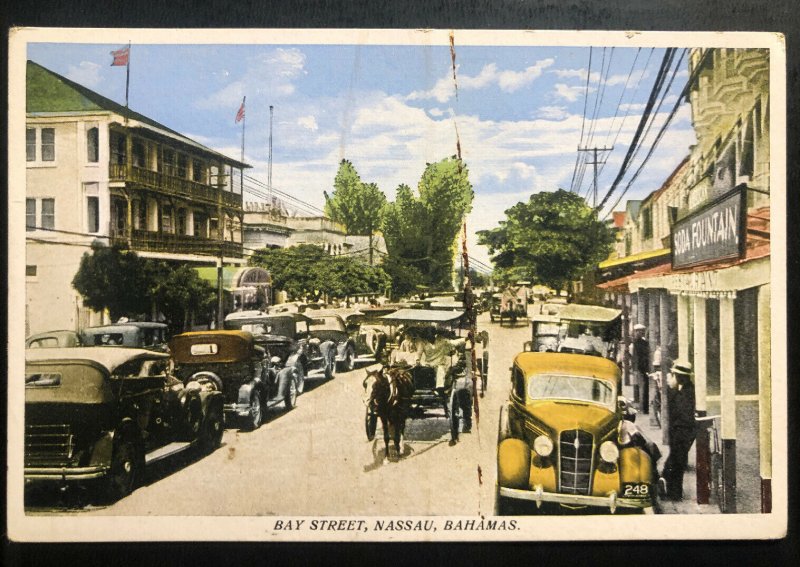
point(438, 347)
point(409, 351)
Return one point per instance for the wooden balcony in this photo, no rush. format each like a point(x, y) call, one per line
point(172, 185)
point(144, 240)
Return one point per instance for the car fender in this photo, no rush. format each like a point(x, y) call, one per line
point(102, 449)
point(245, 391)
point(284, 378)
point(327, 348)
point(635, 465)
point(209, 400)
point(513, 463)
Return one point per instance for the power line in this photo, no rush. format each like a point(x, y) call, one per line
point(657, 85)
point(583, 120)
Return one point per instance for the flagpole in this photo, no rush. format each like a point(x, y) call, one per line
point(241, 171)
point(127, 75)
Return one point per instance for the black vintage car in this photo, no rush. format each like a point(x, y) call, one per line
point(103, 413)
point(328, 325)
point(250, 379)
point(138, 334)
point(288, 337)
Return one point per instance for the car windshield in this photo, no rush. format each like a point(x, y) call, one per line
point(281, 326)
point(326, 324)
point(581, 388)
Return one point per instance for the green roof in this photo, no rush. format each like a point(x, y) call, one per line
point(48, 92)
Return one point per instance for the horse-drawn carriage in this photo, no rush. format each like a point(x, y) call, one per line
point(427, 370)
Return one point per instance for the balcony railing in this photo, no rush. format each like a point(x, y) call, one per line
point(144, 240)
point(173, 185)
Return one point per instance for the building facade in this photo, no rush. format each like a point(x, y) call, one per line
point(97, 171)
point(697, 272)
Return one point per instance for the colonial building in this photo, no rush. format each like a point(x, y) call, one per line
point(99, 171)
point(697, 271)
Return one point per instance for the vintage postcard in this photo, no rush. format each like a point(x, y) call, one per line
point(396, 285)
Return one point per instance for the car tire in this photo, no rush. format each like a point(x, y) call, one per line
point(211, 434)
point(371, 424)
point(349, 363)
point(256, 414)
point(300, 383)
point(330, 366)
point(505, 506)
point(290, 400)
point(125, 470)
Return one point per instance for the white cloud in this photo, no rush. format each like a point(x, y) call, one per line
point(435, 112)
point(552, 112)
point(571, 93)
point(85, 73)
point(271, 74)
point(308, 122)
point(507, 80)
point(628, 107)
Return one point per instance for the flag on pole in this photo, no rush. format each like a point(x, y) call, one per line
point(121, 57)
point(240, 114)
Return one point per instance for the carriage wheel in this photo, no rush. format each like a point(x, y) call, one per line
point(371, 424)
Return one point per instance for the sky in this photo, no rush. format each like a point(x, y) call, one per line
point(520, 112)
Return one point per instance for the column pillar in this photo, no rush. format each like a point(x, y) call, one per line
point(626, 337)
point(703, 459)
point(667, 355)
point(727, 379)
point(683, 327)
point(764, 326)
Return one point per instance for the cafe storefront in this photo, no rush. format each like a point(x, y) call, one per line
point(711, 305)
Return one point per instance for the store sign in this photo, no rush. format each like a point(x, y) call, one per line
point(714, 232)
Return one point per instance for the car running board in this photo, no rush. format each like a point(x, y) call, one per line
point(166, 451)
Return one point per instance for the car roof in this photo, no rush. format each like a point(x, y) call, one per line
point(579, 312)
point(59, 333)
point(319, 313)
point(566, 363)
point(107, 356)
point(423, 315)
point(126, 326)
point(245, 315)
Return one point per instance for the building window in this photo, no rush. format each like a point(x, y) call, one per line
point(139, 154)
point(118, 149)
point(48, 213)
point(169, 162)
point(93, 214)
point(93, 145)
point(183, 165)
point(141, 215)
point(48, 144)
point(30, 144)
point(181, 221)
point(30, 214)
point(30, 271)
point(200, 225)
point(197, 171)
point(647, 223)
point(166, 218)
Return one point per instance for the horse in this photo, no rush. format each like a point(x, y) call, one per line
point(389, 392)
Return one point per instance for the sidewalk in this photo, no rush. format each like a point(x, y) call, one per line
point(689, 503)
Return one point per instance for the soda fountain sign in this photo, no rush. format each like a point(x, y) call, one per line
point(714, 232)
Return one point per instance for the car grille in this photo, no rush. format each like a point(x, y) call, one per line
point(576, 449)
point(48, 445)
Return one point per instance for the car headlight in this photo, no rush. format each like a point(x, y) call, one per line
point(609, 452)
point(543, 446)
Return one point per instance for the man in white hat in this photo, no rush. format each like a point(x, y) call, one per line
point(682, 428)
point(641, 367)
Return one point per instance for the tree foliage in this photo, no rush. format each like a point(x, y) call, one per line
point(421, 230)
point(553, 238)
point(307, 271)
point(130, 286)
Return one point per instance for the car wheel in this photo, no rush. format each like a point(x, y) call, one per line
point(349, 360)
point(124, 473)
point(256, 414)
point(290, 401)
point(211, 434)
point(300, 382)
point(371, 424)
point(330, 366)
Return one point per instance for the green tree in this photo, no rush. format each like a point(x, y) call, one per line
point(180, 293)
point(422, 230)
point(404, 277)
point(308, 271)
point(357, 205)
point(553, 238)
point(116, 279)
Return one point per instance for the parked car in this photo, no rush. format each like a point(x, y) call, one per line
point(250, 380)
point(369, 332)
point(288, 336)
point(328, 325)
point(53, 339)
point(562, 440)
point(138, 334)
point(577, 328)
point(103, 413)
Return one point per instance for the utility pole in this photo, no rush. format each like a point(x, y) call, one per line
point(269, 167)
point(594, 163)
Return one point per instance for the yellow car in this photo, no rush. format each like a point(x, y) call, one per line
point(563, 437)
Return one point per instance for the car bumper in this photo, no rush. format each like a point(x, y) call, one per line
point(237, 410)
point(64, 474)
point(612, 501)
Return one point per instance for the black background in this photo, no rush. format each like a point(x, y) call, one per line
point(666, 15)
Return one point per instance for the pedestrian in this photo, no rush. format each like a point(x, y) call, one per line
point(681, 412)
point(641, 367)
point(459, 405)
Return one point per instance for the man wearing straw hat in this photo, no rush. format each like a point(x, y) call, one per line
point(680, 408)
